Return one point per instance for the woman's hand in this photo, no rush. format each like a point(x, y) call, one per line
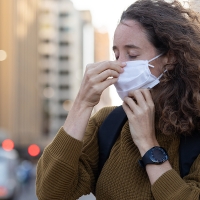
point(140, 111)
point(97, 78)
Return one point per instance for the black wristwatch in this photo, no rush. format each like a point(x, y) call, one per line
point(155, 155)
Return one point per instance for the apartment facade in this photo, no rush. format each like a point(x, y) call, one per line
point(44, 41)
point(20, 102)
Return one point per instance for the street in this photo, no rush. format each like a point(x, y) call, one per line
point(27, 192)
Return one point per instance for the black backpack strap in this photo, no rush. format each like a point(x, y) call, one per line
point(188, 151)
point(109, 132)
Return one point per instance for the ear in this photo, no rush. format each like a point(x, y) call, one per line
point(169, 60)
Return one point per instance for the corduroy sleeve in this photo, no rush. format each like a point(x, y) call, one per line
point(67, 168)
point(170, 186)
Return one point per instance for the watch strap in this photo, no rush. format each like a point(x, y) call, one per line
point(148, 157)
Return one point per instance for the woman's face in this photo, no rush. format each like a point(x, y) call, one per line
point(131, 43)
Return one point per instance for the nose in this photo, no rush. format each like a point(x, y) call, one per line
point(122, 58)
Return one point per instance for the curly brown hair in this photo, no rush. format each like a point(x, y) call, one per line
point(173, 29)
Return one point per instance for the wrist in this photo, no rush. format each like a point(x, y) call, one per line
point(156, 155)
point(84, 101)
point(145, 146)
point(80, 106)
point(77, 120)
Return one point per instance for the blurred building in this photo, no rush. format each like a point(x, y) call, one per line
point(101, 53)
point(46, 42)
point(20, 102)
point(88, 46)
point(65, 45)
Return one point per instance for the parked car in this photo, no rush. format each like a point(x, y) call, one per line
point(25, 172)
point(9, 184)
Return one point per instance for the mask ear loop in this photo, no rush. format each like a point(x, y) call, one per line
point(150, 65)
point(158, 78)
point(153, 67)
point(154, 59)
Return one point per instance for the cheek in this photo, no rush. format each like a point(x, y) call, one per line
point(154, 72)
point(157, 70)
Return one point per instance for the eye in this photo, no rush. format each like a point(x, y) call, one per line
point(132, 57)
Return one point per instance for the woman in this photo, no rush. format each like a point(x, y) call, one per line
point(164, 37)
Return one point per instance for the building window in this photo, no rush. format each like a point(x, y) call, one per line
point(63, 116)
point(46, 56)
point(64, 14)
point(64, 87)
point(46, 41)
point(64, 72)
point(46, 71)
point(61, 102)
point(46, 85)
point(46, 117)
point(62, 28)
point(64, 43)
point(64, 58)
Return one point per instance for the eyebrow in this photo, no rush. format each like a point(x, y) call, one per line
point(128, 46)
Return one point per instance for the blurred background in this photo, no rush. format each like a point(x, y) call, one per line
point(45, 46)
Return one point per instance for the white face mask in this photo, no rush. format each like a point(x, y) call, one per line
point(136, 75)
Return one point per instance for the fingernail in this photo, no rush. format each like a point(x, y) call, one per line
point(124, 63)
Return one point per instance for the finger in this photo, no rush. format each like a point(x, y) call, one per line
point(138, 96)
point(131, 104)
point(91, 69)
point(127, 110)
point(113, 65)
point(92, 65)
point(96, 69)
point(105, 75)
point(147, 95)
point(103, 85)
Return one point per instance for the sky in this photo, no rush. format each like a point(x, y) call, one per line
point(104, 12)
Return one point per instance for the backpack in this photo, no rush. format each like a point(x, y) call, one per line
point(110, 130)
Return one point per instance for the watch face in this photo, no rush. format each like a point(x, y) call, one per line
point(158, 155)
